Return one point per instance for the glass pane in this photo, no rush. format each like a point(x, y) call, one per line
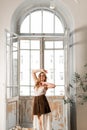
point(15, 47)
point(25, 26)
point(24, 67)
point(15, 69)
point(59, 91)
point(48, 64)
point(58, 44)
point(35, 59)
point(50, 92)
point(8, 66)
point(35, 62)
point(24, 44)
point(59, 67)
point(58, 26)
point(24, 91)
point(9, 92)
point(48, 44)
point(32, 91)
point(36, 22)
point(32, 80)
point(35, 44)
point(47, 22)
point(14, 91)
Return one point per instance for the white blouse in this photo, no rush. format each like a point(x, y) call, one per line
point(39, 91)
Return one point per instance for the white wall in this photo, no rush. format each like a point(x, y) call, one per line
point(79, 30)
point(6, 10)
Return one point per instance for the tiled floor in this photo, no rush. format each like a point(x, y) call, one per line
point(19, 128)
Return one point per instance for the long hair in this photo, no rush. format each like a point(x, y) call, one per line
point(38, 81)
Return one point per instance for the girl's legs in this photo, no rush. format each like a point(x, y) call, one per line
point(36, 122)
point(40, 121)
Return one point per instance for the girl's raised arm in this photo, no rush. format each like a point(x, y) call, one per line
point(36, 71)
point(49, 85)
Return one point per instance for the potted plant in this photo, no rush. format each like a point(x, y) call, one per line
point(80, 81)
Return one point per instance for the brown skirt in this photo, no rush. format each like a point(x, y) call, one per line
point(41, 105)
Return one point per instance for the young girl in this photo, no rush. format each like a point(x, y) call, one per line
point(41, 108)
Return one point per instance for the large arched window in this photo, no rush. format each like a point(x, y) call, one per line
point(44, 50)
point(41, 42)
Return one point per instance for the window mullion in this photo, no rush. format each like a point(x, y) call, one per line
point(54, 23)
point(30, 68)
point(54, 63)
point(18, 67)
point(42, 53)
point(41, 21)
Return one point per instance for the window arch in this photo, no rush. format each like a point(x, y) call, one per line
point(37, 50)
point(42, 43)
point(42, 21)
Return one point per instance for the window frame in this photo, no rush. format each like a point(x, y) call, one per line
point(49, 36)
point(42, 38)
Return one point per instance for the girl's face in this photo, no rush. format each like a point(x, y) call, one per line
point(42, 77)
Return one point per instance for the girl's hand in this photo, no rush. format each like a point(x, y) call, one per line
point(43, 70)
point(43, 83)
